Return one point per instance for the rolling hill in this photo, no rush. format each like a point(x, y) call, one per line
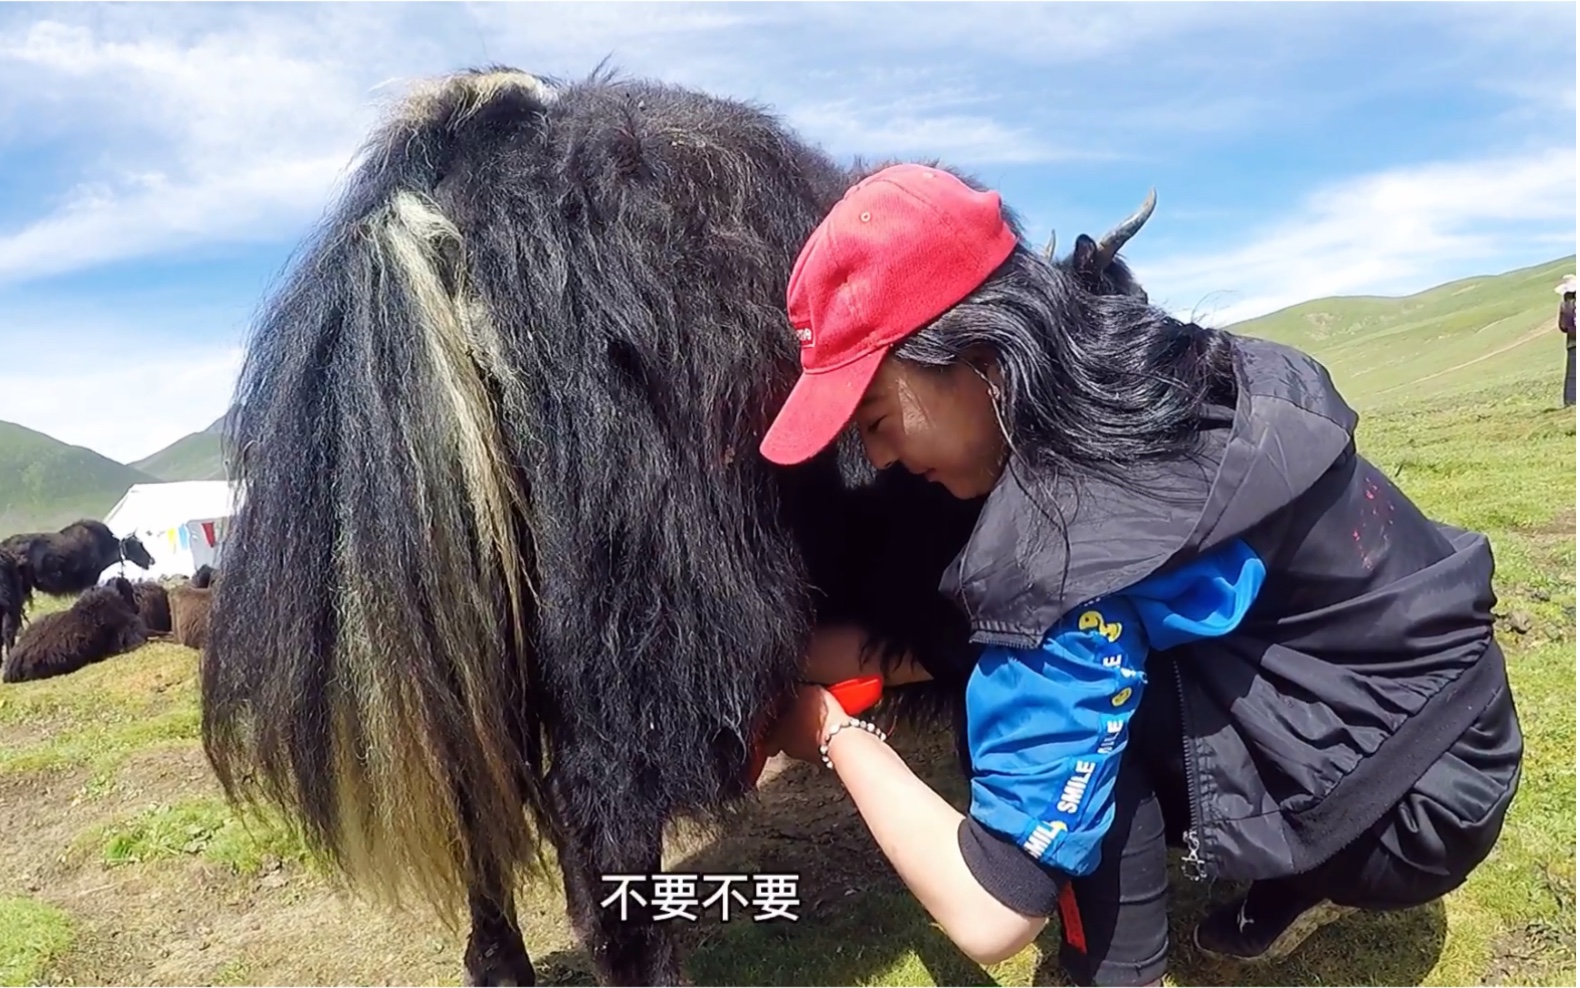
point(1463, 336)
point(45, 483)
point(196, 456)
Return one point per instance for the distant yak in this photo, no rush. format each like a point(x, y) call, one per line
point(100, 623)
point(153, 606)
point(16, 592)
point(69, 561)
point(189, 608)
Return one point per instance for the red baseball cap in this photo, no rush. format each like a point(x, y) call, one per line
point(901, 248)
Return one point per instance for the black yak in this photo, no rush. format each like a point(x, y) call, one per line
point(16, 593)
point(70, 561)
point(153, 606)
point(100, 623)
point(507, 543)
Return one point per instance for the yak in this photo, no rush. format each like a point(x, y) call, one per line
point(510, 570)
point(100, 623)
point(16, 594)
point(69, 561)
point(153, 606)
point(190, 606)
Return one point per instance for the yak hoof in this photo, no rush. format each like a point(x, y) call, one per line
point(505, 968)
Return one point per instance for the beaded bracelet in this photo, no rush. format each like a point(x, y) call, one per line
point(853, 722)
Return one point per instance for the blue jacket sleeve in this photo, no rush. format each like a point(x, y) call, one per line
point(1047, 727)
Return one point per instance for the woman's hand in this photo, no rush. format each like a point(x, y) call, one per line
point(800, 730)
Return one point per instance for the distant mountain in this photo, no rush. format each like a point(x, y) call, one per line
point(1465, 335)
point(193, 457)
point(45, 483)
point(197, 456)
point(219, 426)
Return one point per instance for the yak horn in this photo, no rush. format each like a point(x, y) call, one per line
point(1047, 252)
point(1116, 238)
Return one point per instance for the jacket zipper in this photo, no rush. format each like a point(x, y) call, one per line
point(1195, 868)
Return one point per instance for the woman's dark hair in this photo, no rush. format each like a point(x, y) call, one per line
point(1090, 382)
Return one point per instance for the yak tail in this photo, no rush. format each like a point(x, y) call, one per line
point(369, 671)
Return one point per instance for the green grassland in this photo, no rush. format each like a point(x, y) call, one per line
point(120, 864)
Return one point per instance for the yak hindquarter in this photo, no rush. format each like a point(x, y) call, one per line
point(153, 606)
point(188, 613)
point(100, 623)
point(503, 492)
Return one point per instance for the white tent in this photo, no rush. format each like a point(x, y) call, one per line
point(183, 525)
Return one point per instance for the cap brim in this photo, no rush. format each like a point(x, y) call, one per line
point(819, 406)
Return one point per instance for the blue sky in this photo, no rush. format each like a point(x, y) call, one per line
point(161, 162)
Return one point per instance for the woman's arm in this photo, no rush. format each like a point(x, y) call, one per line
point(919, 833)
point(1047, 728)
point(917, 830)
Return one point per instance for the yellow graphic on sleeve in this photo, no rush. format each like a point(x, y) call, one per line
point(1094, 621)
point(1120, 697)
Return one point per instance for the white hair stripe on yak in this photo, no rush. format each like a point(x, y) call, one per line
point(460, 336)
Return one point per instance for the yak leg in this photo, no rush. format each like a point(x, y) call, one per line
point(495, 952)
point(596, 841)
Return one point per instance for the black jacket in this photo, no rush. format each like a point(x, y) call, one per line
point(1368, 653)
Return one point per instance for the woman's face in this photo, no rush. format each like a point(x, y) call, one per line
point(937, 422)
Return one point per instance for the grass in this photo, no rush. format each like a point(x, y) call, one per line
point(1437, 344)
point(97, 716)
point(204, 827)
point(32, 935)
point(119, 863)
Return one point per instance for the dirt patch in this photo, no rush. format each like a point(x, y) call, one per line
point(191, 921)
point(32, 732)
point(801, 822)
point(1562, 523)
point(52, 808)
point(1535, 954)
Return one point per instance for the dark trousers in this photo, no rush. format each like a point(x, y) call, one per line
point(1116, 919)
point(1569, 377)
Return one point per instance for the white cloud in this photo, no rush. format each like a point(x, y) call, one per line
point(132, 400)
point(185, 126)
point(225, 125)
point(850, 127)
point(1398, 230)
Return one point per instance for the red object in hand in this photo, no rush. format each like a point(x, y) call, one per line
point(853, 695)
point(856, 695)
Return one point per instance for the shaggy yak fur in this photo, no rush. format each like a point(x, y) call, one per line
point(16, 593)
point(153, 606)
point(189, 609)
point(508, 544)
point(100, 623)
point(69, 561)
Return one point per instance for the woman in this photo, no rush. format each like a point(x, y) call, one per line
point(1202, 618)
